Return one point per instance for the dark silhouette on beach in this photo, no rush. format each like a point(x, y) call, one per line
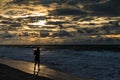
point(37, 60)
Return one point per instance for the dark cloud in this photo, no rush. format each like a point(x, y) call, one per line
point(67, 11)
point(61, 33)
point(111, 7)
point(101, 7)
point(18, 1)
point(72, 2)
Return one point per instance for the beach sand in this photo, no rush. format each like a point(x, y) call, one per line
point(9, 73)
point(23, 70)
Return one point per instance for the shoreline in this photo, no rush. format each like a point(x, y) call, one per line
point(27, 67)
point(7, 73)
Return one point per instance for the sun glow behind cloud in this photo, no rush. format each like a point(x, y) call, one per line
point(32, 24)
point(38, 23)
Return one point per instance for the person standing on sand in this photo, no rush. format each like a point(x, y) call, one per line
point(37, 59)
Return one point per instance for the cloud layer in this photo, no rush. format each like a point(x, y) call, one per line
point(61, 22)
point(70, 7)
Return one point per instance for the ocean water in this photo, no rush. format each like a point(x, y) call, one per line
point(100, 65)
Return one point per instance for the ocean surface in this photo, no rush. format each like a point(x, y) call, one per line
point(100, 65)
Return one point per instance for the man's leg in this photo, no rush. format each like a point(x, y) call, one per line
point(38, 65)
point(34, 67)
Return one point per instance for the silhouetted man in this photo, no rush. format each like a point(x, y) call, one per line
point(37, 59)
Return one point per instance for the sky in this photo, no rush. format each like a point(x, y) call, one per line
point(59, 22)
point(101, 7)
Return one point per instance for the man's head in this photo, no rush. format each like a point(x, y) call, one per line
point(38, 48)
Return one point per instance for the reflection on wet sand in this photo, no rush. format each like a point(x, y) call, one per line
point(46, 72)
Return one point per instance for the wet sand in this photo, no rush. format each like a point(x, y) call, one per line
point(9, 73)
point(23, 70)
